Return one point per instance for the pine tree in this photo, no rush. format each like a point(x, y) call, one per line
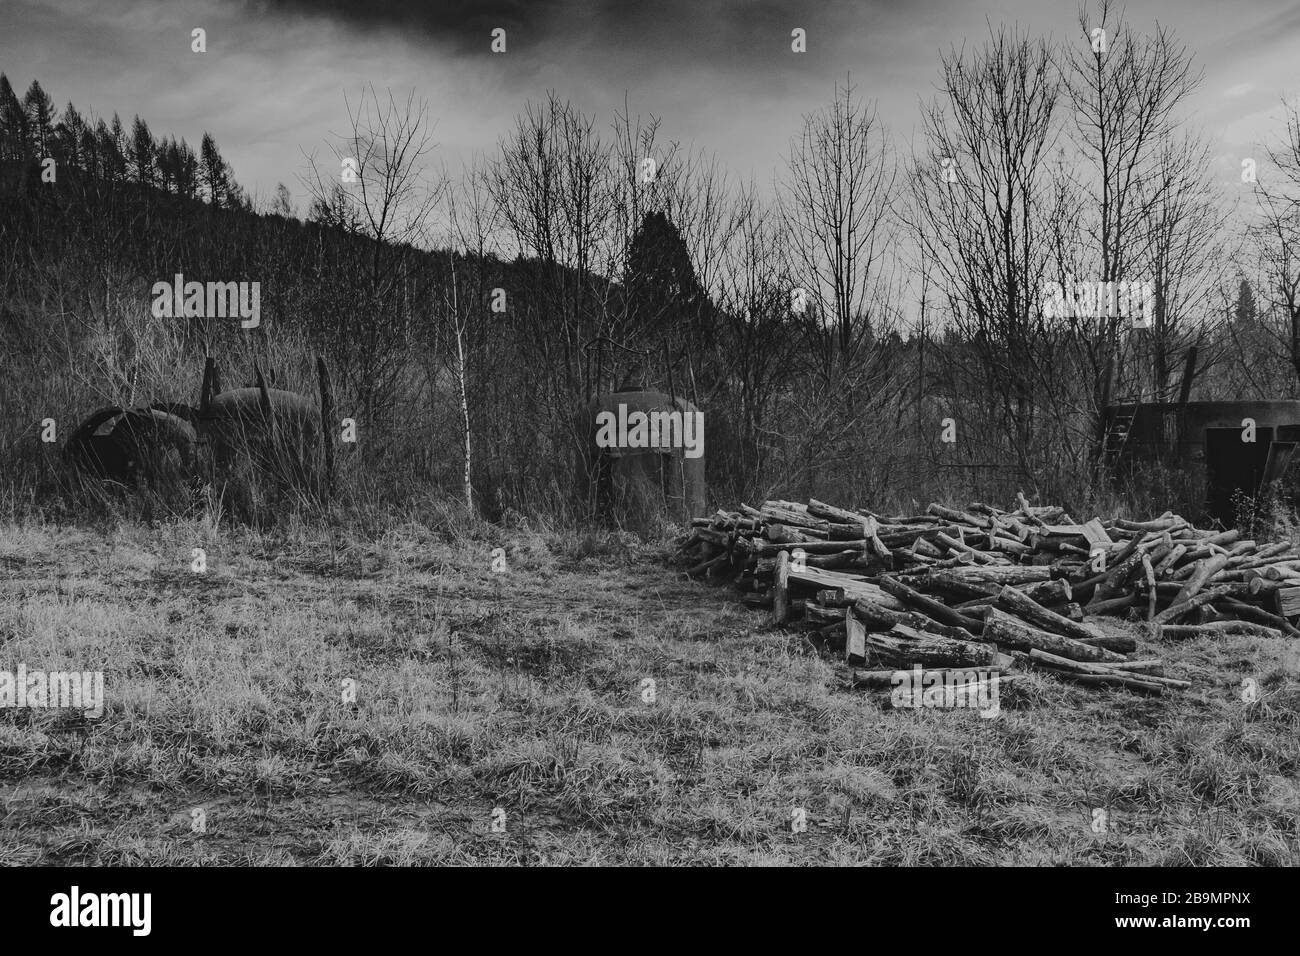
point(142, 152)
point(13, 123)
point(187, 171)
point(108, 152)
point(168, 160)
point(70, 135)
point(213, 172)
point(117, 158)
point(91, 161)
point(39, 109)
point(1245, 311)
point(664, 294)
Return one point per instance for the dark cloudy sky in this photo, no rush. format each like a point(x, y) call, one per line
point(719, 74)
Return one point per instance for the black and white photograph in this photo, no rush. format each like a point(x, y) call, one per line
point(583, 433)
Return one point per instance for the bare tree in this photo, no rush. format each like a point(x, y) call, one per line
point(1187, 249)
point(378, 187)
point(1276, 231)
point(473, 218)
point(751, 366)
point(1125, 91)
point(986, 202)
point(552, 181)
point(835, 201)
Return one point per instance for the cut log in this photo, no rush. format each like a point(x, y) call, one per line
point(772, 549)
point(1259, 616)
point(1179, 608)
point(1104, 669)
point(855, 645)
point(959, 517)
point(1005, 574)
point(959, 548)
point(1204, 572)
point(1166, 565)
point(1005, 630)
point(933, 608)
point(851, 586)
point(783, 534)
point(876, 616)
point(780, 589)
point(1214, 629)
point(1117, 577)
point(1112, 605)
point(1116, 680)
point(1286, 600)
point(909, 646)
point(824, 615)
point(1150, 573)
point(1029, 610)
point(951, 579)
point(1048, 592)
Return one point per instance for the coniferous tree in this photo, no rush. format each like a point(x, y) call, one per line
point(119, 156)
point(664, 295)
point(69, 135)
point(143, 152)
point(108, 153)
point(187, 171)
point(39, 109)
point(213, 172)
point(13, 123)
point(167, 161)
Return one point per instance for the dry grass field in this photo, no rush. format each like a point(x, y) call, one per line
point(523, 690)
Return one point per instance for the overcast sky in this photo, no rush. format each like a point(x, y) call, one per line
point(719, 74)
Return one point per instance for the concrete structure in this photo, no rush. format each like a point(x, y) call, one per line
point(637, 483)
point(1210, 441)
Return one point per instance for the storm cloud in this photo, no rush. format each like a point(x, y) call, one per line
point(720, 74)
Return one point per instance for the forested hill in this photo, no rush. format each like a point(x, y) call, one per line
point(93, 215)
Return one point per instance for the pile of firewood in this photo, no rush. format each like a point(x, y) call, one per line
point(987, 588)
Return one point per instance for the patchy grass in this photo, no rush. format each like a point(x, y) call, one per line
point(524, 691)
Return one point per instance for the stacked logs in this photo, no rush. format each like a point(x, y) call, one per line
point(985, 587)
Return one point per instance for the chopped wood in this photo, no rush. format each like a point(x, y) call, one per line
point(780, 588)
point(1214, 629)
point(1287, 601)
point(1179, 608)
point(906, 645)
point(1027, 609)
point(1006, 630)
point(1204, 571)
point(855, 646)
point(930, 606)
point(963, 582)
point(1048, 592)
